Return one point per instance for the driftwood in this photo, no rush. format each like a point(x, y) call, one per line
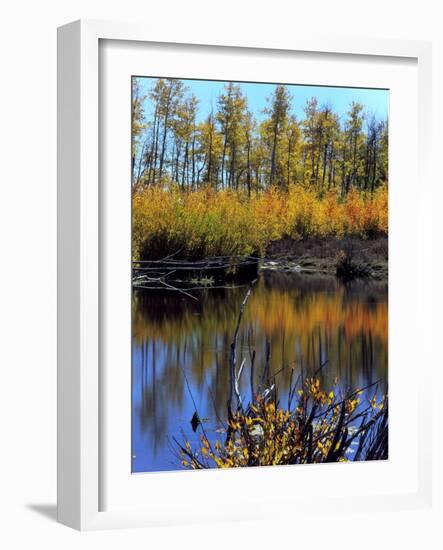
point(207, 264)
point(185, 276)
point(168, 260)
point(146, 282)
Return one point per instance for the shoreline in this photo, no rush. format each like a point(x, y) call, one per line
point(322, 255)
point(347, 259)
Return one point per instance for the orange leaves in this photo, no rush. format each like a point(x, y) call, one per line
point(359, 213)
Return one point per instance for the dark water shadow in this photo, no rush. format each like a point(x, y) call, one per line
point(48, 511)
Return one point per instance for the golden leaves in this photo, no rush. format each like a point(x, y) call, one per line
point(208, 223)
point(270, 435)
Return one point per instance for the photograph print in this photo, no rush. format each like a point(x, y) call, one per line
point(259, 274)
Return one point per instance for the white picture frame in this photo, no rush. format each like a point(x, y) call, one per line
point(80, 410)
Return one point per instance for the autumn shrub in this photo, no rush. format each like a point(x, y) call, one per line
point(322, 426)
point(348, 264)
point(206, 222)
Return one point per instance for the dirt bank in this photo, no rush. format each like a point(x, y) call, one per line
point(369, 257)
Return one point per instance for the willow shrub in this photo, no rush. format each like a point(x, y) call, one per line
point(227, 223)
point(321, 427)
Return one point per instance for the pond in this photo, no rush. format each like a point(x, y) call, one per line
point(181, 351)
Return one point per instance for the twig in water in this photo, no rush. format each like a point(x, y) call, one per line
point(320, 368)
point(233, 354)
point(252, 360)
point(237, 385)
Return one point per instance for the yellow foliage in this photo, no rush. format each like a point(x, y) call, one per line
point(209, 223)
point(290, 437)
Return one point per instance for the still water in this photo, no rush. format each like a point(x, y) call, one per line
point(181, 346)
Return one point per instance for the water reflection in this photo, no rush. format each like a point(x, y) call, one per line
point(306, 320)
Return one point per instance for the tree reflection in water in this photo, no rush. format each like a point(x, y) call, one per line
point(307, 320)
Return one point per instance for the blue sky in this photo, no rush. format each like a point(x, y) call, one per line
point(375, 101)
